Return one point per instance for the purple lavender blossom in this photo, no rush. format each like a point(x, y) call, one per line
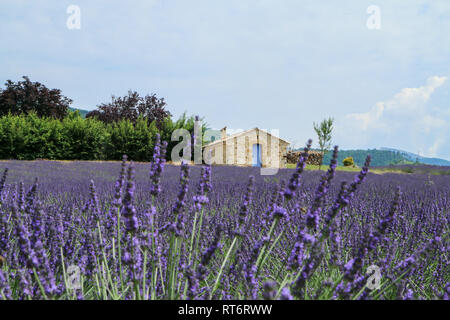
point(118, 187)
point(201, 198)
point(313, 214)
point(355, 225)
point(245, 204)
point(128, 209)
point(446, 295)
point(208, 254)
point(132, 256)
point(294, 182)
point(286, 294)
point(5, 288)
point(3, 179)
point(269, 290)
point(180, 203)
point(157, 165)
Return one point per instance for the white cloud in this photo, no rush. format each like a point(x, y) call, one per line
point(409, 103)
point(368, 119)
point(404, 121)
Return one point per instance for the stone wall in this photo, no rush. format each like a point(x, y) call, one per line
point(238, 150)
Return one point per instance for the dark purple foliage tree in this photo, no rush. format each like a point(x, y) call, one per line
point(27, 96)
point(131, 107)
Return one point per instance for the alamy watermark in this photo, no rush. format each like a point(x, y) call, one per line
point(374, 20)
point(74, 19)
point(73, 277)
point(374, 280)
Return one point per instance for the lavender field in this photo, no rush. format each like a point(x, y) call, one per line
point(156, 231)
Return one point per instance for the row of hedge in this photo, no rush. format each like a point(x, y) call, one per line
point(28, 137)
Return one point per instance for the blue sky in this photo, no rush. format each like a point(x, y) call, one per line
point(274, 64)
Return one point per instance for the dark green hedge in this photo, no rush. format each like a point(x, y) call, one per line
point(28, 137)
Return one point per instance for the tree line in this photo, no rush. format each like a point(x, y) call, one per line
point(38, 123)
point(378, 157)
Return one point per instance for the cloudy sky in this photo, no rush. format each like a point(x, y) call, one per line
point(274, 64)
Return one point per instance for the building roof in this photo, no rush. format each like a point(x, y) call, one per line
point(243, 133)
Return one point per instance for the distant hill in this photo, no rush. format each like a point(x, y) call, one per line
point(385, 157)
point(82, 112)
point(415, 157)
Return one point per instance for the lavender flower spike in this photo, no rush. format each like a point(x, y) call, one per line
point(128, 209)
point(294, 182)
point(157, 165)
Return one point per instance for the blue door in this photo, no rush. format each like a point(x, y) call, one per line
point(257, 155)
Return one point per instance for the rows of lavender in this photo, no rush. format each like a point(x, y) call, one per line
point(170, 232)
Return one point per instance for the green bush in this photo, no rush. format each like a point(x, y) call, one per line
point(348, 162)
point(134, 141)
point(29, 137)
point(83, 139)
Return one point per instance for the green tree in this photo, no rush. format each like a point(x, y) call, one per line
point(323, 131)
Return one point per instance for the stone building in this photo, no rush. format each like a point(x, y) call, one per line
point(254, 147)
